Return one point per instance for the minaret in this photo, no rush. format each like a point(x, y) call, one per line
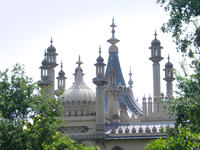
point(51, 58)
point(156, 58)
point(61, 78)
point(45, 78)
point(169, 78)
point(100, 82)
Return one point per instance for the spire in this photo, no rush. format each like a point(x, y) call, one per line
point(79, 61)
point(130, 82)
point(61, 65)
point(51, 41)
point(168, 58)
point(155, 34)
point(113, 40)
point(113, 28)
point(99, 50)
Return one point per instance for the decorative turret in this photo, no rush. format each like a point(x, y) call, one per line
point(100, 82)
point(169, 78)
point(61, 78)
point(45, 79)
point(51, 55)
point(155, 50)
point(47, 68)
point(156, 58)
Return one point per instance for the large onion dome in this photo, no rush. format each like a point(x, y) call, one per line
point(79, 93)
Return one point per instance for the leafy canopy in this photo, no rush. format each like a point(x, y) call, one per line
point(29, 118)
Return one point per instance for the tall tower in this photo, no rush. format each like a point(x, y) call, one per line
point(61, 79)
point(156, 58)
point(47, 69)
point(51, 58)
point(169, 78)
point(100, 82)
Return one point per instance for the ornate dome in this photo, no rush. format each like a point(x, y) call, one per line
point(45, 62)
point(51, 48)
point(155, 41)
point(79, 93)
point(168, 64)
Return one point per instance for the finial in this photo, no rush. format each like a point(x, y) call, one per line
point(168, 58)
point(113, 28)
point(51, 41)
point(61, 65)
point(155, 34)
point(99, 50)
point(79, 61)
point(130, 73)
point(130, 82)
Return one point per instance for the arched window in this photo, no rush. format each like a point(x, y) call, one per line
point(117, 148)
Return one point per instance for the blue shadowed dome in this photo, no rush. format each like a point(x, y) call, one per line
point(51, 49)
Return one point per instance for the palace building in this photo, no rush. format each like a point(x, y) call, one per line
point(110, 117)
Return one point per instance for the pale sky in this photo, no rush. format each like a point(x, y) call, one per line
point(79, 27)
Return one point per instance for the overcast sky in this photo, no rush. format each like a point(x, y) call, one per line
point(79, 27)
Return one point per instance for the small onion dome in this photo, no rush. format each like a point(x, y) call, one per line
point(45, 62)
point(155, 41)
point(51, 48)
point(168, 64)
point(100, 59)
point(61, 73)
point(78, 69)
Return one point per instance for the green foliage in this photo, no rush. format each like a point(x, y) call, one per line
point(184, 24)
point(29, 118)
point(184, 140)
point(65, 143)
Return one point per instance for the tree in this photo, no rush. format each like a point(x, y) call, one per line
point(183, 24)
point(184, 140)
point(29, 119)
